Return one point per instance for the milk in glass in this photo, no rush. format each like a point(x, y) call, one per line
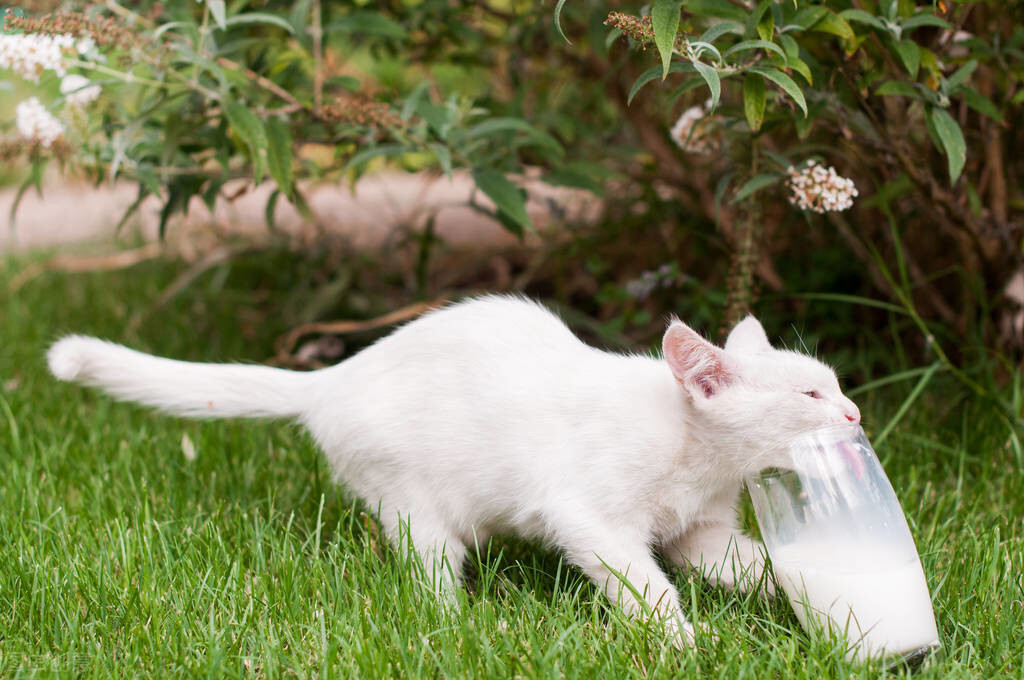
point(840, 546)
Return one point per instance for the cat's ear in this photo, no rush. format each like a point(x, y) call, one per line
point(700, 367)
point(748, 337)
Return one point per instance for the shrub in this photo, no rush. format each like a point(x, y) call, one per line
point(719, 105)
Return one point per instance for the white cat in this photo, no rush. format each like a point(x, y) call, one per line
point(490, 416)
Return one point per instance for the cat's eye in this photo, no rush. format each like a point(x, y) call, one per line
point(813, 394)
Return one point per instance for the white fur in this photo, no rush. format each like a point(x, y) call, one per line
point(490, 416)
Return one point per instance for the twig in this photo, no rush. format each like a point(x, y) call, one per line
point(287, 342)
point(263, 82)
point(91, 263)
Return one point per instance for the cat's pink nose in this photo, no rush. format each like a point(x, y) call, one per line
point(853, 417)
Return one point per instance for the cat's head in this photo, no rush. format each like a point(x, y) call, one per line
point(748, 397)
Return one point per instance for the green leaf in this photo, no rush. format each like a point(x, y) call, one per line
point(218, 11)
point(720, 29)
point(438, 117)
point(142, 195)
point(412, 102)
point(754, 94)
point(173, 26)
point(949, 133)
point(789, 46)
point(809, 16)
point(568, 177)
point(755, 184)
point(653, 73)
point(793, 60)
point(890, 8)
point(298, 17)
point(980, 103)
point(755, 17)
point(279, 153)
point(720, 187)
point(362, 21)
point(831, 22)
point(699, 47)
point(492, 126)
point(766, 26)
point(302, 205)
point(665, 21)
point(368, 154)
point(180, 191)
point(925, 19)
point(801, 67)
point(558, 20)
point(961, 74)
point(803, 125)
point(444, 157)
point(710, 76)
point(755, 45)
point(610, 39)
point(505, 194)
point(258, 18)
point(974, 200)
point(248, 126)
point(34, 179)
point(776, 158)
point(909, 55)
point(862, 17)
point(786, 83)
point(270, 209)
point(898, 88)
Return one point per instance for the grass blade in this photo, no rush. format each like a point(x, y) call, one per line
point(908, 402)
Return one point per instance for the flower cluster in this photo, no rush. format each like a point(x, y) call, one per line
point(665, 276)
point(78, 91)
point(36, 124)
point(31, 54)
point(91, 31)
point(637, 28)
point(690, 133)
point(356, 111)
point(820, 189)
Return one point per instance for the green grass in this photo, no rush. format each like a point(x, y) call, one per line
point(120, 557)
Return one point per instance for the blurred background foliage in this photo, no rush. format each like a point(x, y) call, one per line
point(917, 104)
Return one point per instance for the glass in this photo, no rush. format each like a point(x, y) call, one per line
point(841, 549)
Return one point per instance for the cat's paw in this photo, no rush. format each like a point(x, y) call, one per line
point(685, 635)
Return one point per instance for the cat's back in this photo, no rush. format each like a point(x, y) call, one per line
point(486, 359)
point(487, 326)
point(503, 314)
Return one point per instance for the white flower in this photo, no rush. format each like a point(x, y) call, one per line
point(78, 91)
point(820, 189)
point(29, 55)
point(85, 45)
point(665, 276)
point(36, 124)
point(690, 133)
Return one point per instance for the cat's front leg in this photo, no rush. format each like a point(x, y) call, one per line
point(722, 555)
point(630, 577)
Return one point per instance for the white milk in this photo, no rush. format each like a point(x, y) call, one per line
point(882, 607)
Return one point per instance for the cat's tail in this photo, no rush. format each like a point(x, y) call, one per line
point(180, 387)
